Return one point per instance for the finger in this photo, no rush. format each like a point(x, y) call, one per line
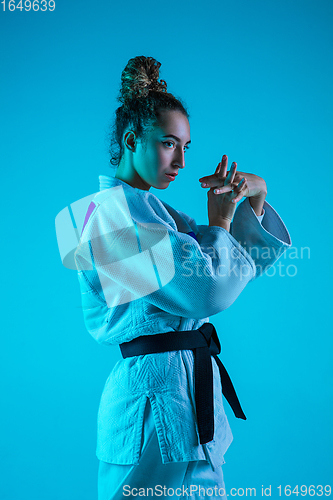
point(224, 167)
point(240, 190)
point(208, 178)
point(232, 186)
point(220, 174)
point(240, 185)
point(237, 178)
point(233, 172)
point(223, 189)
point(231, 175)
point(218, 168)
point(212, 181)
point(228, 183)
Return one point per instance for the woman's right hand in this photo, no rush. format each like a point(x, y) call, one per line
point(221, 208)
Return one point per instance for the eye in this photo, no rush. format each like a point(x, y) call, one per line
point(168, 142)
point(172, 144)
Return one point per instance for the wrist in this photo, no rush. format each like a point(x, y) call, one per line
point(257, 202)
point(221, 222)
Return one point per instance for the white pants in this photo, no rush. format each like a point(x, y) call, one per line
point(192, 480)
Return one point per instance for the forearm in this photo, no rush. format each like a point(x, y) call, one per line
point(257, 202)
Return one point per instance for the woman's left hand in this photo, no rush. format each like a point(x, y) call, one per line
point(256, 186)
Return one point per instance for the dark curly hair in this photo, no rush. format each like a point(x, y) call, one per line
point(142, 97)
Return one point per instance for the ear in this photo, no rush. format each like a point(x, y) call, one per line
point(130, 140)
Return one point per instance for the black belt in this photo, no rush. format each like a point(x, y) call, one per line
point(204, 343)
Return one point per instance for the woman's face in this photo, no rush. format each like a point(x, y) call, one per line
point(157, 160)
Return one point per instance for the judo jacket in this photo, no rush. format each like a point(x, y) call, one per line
point(145, 268)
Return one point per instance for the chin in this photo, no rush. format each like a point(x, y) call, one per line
point(161, 185)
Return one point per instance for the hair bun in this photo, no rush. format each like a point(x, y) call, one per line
point(139, 77)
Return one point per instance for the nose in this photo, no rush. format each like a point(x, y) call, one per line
point(179, 158)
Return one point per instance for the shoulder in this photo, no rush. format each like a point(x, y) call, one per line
point(136, 204)
point(184, 222)
point(188, 219)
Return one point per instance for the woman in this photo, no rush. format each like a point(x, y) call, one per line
point(150, 278)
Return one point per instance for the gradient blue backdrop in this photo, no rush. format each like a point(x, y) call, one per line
point(257, 78)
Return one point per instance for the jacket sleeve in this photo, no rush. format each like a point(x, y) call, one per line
point(265, 242)
point(264, 237)
point(132, 258)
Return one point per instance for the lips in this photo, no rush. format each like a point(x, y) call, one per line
point(171, 176)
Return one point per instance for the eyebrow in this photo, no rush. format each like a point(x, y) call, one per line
point(175, 137)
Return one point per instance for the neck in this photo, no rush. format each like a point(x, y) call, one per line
point(126, 173)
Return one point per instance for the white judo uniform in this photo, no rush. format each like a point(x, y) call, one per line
point(145, 268)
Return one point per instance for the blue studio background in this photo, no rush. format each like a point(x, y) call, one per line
point(257, 79)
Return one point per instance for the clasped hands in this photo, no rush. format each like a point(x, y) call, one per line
point(227, 188)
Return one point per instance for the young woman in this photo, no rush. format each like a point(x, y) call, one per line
point(150, 278)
